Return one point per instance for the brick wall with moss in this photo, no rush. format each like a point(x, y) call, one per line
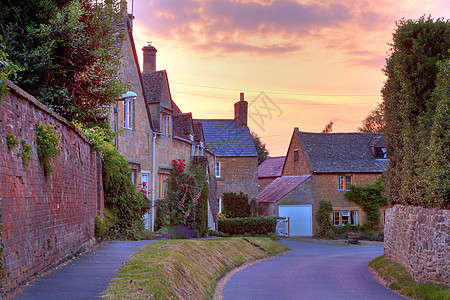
point(45, 220)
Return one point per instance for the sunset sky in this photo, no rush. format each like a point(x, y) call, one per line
point(299, 63)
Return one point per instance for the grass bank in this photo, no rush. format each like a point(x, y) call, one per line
point(185, 269)
point(395, 277)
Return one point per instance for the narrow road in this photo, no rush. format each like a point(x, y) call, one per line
point(84, 278)
point(311, 271)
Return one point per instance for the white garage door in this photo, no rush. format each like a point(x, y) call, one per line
point(300, 218)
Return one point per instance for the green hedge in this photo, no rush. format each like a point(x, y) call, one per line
point(252, 226)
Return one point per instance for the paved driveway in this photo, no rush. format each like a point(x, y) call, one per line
point(311, 271)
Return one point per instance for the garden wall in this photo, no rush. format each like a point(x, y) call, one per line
point(44, 221)
point(419, 239)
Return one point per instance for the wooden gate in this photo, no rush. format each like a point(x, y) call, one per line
point(283, 226)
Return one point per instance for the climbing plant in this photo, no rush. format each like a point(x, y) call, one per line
point(47, 139)
point(324, 217)
point(370, 198)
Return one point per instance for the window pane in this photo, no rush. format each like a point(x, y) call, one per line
point(340, 183)
point(348, 182)
point(345, 218)
point(354, 218)
point(336, 220)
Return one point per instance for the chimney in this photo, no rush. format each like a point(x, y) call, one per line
point(149, 58)
point(241, 111)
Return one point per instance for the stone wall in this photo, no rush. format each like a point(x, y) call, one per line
point(419, 239)
point(239, 174)
point(44, 221)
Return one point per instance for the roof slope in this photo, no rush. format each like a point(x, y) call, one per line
point(281, 186)
point(225, 138)
point(182, 125)
point(271, 167)
point(156, 86)
point(341, 152)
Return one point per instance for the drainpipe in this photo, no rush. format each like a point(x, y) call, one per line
point(153, 180)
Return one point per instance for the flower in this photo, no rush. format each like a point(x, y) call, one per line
point(352, 234)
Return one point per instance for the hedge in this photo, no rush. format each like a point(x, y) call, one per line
point(252, 226)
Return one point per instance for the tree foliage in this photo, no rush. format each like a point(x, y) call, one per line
point(328, 128)
point(260, 148)
point(410, 104)
point(67, 51)
point(374, 122)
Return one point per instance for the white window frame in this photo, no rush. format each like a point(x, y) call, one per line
point(344, 182)
point(218, 169)
point(128, 113)
point(220, 205)
point(163, 186)
point(165, 122)
point(338, 217)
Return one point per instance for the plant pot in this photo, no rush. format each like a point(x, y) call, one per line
point(353, 239)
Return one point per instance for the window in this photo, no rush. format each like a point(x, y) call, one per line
point(218, 169)
point(380, 153)
point(165, 128)
point(345, 217)
point(128, 113)
point(344, 182)
point(220, 205)
point(163, 184)
point(336, 218)
point(296, 155)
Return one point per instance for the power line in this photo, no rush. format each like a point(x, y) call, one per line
point(276, 92)
point(287, 103)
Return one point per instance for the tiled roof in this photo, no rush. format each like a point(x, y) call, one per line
point(198, 131)
point(182, 125)
point(154, 85)
point(226, 138)
point(281, 186)
point(271, 167)
point(341, 152)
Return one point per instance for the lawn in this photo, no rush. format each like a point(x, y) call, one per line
point(185, 269)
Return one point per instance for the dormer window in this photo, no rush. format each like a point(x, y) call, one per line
point(380, 153)
point(165, 125)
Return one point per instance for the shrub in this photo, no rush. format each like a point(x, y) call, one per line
point(11, 141)
point(25, 154)
point(248, 226)
point(236, 205)
point(217, 233)
point(324, 217)
point(100, 227)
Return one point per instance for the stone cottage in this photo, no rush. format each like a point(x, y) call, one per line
point(321, 167)
point(175, 136)
point(236, 165)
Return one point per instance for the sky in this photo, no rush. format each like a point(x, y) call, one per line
point(299, 63)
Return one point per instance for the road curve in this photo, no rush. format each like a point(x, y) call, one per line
point(311, 271)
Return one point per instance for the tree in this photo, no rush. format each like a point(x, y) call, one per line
point(67, 51)
point(410, 104)
point(328, 128)
point(374, 122)
point(260, 148)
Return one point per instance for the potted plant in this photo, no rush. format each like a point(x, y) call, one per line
point(353, 238)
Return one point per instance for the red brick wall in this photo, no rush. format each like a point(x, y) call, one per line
point(44, 222)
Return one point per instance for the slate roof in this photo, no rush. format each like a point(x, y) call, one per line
point(225, 138)
point(154, 84)
point(271, 167)
point(198, 131)
point(342, 152)
point(280, 187)
point(182, 125)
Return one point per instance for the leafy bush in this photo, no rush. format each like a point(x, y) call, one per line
point(323, 215)
point(236, 205)
point(100, 227)
point(217, 233)
point(25, 154)
point(250, 226)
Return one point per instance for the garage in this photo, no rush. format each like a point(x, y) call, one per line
point(300, 218)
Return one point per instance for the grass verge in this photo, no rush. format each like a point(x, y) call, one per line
point(396, 278)
point(185, 269)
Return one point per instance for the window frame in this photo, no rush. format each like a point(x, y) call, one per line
point(344, 182)
point(295, 155)
point(128, 104)
point(338, 217)
point(380, 153)
point(163, 186)
point(218, 169)
point(165, 124)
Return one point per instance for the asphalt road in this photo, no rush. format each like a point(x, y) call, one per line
point(311, 271)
